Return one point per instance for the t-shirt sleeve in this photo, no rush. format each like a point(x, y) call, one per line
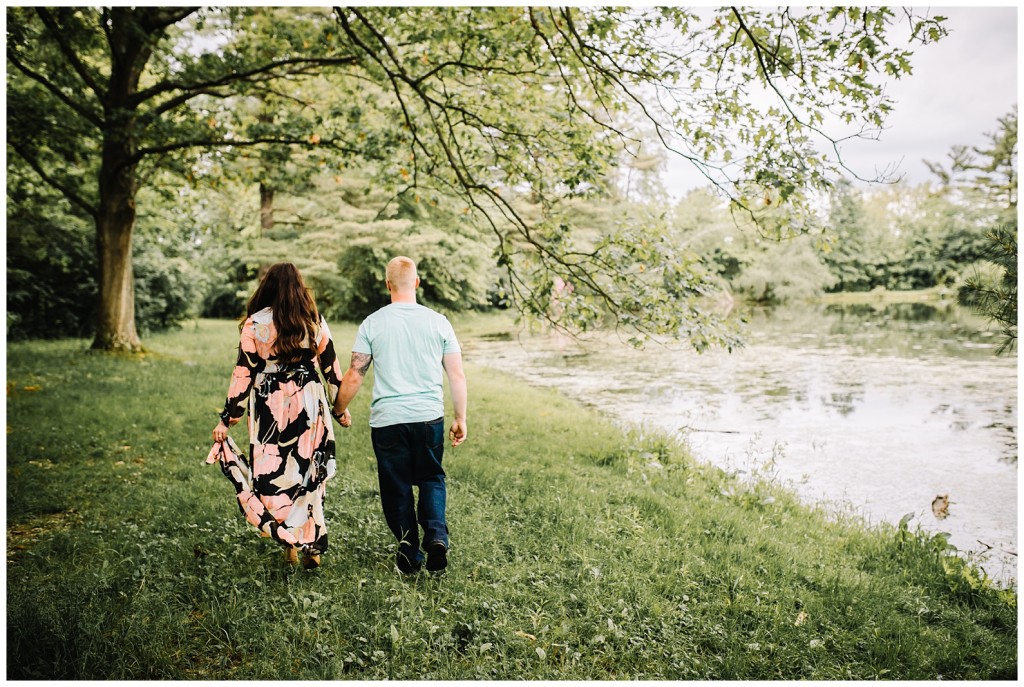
point(362, 344)
point(451, 344)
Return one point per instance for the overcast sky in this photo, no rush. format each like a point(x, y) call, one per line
point(960, 87)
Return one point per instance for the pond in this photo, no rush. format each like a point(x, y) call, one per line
point(874, 410)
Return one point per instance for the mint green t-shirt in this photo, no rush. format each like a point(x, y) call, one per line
point(407, 341)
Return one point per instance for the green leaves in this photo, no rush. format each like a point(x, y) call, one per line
point(993, 292)
point(513, 113)
point(624, 273)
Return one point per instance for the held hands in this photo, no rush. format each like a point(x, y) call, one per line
point(458, 432)
point(344, 417)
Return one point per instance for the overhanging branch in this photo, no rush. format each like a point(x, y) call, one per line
point(190, 90)
point(66, 190)
point(80, 109)
point(69, 53)
point(241, 143)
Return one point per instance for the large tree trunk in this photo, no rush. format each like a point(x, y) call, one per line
point(131, 43)
point(115, 330)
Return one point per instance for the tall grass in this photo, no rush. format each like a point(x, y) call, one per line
point(578, 551)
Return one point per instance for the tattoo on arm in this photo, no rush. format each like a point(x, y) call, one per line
point(361, 362)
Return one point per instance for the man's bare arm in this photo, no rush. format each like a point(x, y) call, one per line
point(352, 380)
point(460, 396)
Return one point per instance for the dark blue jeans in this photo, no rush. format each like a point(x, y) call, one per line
point(410, 454)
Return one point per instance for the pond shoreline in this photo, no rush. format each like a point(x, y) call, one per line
point(828, 419)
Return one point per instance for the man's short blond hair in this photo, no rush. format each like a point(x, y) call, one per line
point(401, 272)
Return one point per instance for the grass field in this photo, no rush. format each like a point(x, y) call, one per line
point(579, 551)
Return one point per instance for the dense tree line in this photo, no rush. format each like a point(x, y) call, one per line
point(201, 249)
point(897, 238)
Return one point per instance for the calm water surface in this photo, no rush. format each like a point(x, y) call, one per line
point(874, 410)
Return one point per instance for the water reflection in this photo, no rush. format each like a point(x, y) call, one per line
point(843, 402)
point(899, 329)
point(878, 407)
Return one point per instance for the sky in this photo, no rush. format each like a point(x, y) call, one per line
point(959, 88)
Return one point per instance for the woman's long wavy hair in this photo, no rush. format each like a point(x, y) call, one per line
point(295, 314)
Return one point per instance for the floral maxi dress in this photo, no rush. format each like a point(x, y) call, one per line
point(281, 487)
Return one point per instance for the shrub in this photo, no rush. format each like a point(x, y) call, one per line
point(51, 271)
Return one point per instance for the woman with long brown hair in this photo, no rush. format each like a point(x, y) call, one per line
point(281, 487)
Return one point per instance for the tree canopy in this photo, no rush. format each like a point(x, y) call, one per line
point(511, 112)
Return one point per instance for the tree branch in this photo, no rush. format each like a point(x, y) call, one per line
point(473, 191)
point(65, 47)
point(659, 128)
point(395, 88)
point(235, 77)
point(158, 18)
point(223, 143)
point(759, 51)
point(83, 111)
point(561, 73)
point(67, 191)
point(172, 103)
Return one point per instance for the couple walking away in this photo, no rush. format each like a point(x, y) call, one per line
point(283, 341)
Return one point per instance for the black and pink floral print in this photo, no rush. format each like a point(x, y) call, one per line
point(281, 486)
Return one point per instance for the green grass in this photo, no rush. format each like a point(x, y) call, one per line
point(578, 551)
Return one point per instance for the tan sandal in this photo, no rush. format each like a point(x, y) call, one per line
point(291, 555)
point(310, 560)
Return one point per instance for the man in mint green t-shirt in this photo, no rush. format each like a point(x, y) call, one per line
point(411, 348)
